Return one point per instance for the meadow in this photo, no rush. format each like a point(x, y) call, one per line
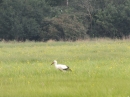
point(100, 68)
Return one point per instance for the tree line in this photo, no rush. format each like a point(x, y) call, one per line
point(42, 20)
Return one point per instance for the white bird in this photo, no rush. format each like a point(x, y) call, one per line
point(61, 67)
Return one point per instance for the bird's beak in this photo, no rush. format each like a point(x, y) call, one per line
point(52, 63)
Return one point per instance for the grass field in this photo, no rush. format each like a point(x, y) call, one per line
point(101, 68)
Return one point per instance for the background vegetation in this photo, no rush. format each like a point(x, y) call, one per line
point(100, 69)
point(42, 20)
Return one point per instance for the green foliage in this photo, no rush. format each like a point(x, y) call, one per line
point(21, 20)
point(112, 21)
point(55, 2)
point(52, 19)
point(1, 1)
point(63, 27)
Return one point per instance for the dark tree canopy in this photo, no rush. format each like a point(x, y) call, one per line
point(41, 20)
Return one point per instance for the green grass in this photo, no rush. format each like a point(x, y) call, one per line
point(101, 68)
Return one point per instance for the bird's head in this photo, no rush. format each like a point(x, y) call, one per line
point(54, 62)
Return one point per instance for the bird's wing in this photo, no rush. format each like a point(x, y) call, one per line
point(60, 66)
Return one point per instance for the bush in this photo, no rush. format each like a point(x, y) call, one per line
point(64, 27)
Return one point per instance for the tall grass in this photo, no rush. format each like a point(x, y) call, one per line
point(101, 68)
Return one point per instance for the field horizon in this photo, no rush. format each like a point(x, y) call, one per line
point(101, 68)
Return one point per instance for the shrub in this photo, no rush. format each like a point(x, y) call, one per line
point(64, 27)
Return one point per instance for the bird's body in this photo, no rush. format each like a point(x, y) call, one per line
point(60, 67)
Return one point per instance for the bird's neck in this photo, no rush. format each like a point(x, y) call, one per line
point(55, 64)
